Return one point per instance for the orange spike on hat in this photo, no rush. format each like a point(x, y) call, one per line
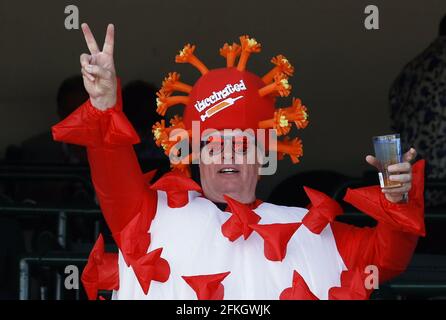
point(165, 101)
point(297, 113)
point(160, 132)
point(186, 55)
point(169, 146)
point(280, 86)
point(282, 66)
point(249, 45)
point(177, 122)
point(171, 83)
point(279, 122)
point(293, 148)
point(230, 52)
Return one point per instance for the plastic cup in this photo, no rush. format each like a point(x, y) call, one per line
point(387, 152)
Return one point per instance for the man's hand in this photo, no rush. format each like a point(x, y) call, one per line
point(98, 69)
point(403, 174)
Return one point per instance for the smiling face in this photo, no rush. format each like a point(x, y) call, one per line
point(230, 173)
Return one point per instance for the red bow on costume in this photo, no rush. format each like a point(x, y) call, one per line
point(150, 267)
point(322, 211)
point(276, 237)
point(207, 287)
point(406, 217)
point(298, 291)
point(177, 187)
point(113, 129)
point(238, 224)
point(101, 271)
point(244, 221)
point(134, 241)
point(352, 287)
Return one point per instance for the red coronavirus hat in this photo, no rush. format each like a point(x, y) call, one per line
point(232, 98)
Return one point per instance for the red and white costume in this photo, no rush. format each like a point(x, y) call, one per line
point(176, 244)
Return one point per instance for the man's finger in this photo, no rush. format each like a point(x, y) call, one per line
point(98, 71)
point(85, 59)
point(89, 39)
point(399, 167)
point(410, 155)
point(85, 74)
point(373, 161)
point(109, 40)
point(401, 177)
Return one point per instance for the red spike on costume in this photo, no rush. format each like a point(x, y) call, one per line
point(323, 210)
point(282, 65)
point(101, 271)
point(249, 45)
point(230, 52)
point(352, 287)
point(298, 291)
point(207, 287)
point(276, 237)
point(280, 86)
point(151, 267)
point(134, 240)
point(238, 224)
point(177, 187)
point(186, 55)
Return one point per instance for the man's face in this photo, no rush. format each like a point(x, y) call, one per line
point(233, 174)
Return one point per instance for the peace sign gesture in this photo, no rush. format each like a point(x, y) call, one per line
point(98, 69)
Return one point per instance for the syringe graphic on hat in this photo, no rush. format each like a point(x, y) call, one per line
point(218, 107)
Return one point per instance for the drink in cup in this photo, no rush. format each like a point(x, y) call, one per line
point(387, 152)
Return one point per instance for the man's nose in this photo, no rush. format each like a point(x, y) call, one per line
point(227, 151)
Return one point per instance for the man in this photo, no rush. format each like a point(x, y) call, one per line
point(418, 109)
point(175, 238)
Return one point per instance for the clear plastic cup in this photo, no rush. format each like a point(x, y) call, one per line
point(387, 152)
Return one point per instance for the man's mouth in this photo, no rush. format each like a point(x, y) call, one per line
point(228, 171)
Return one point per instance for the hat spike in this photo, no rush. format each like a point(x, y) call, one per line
point(282, 65)
point(186, 55)
point(297, 113)
point(230, 52)
point(293, 148)
point(165, 101)
point(280, 86)
point(249, 45)
point(279, 122)
point(171, 83)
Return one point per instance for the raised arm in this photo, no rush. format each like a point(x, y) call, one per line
point(389, 245)
point(101, 126)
